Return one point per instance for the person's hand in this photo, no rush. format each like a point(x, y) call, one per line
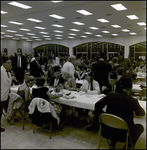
point(104, 88)
point(127, 71)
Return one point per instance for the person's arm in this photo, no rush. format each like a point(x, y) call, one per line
point(53, 95)
point(27, 94)
point(139, 111)
point(84, 87)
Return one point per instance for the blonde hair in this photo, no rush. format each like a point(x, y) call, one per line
point(29, 78)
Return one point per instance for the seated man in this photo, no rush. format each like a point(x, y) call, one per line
point(122, 105)
point(57, 79)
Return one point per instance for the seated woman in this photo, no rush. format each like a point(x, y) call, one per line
point(70, 83)
point(42, 91)
point(24, 90)
point(90, 86)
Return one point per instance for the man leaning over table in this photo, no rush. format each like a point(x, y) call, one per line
point(124, 106)
point(6, 81)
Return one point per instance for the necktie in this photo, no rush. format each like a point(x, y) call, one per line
point(91, 84)
point(8, 73)
point(19, 65)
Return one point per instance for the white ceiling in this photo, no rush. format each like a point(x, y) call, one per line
point(100, 9)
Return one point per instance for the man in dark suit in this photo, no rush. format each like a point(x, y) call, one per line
point(19, 66)
point(43, 61)
point(123, 105)
point(57, 79)
point(35, 68)
point(101, 70)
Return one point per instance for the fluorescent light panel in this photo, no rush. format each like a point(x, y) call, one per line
point(4, 26)
point(58, 31)
point(78, 23)
point(84, 12)
point(2, 32)
point(58, 38)
point(9, 36)
point(132, 17)
point(24, 29)
point(56, 1)
point(70, 37)
point(48, 39)
point(105, 31)
point(84, 36)
point(13, 22)
point(30, 33)
point(34, 37)
point(87, 32)
point(94, 28)
point(15, 38)
point(58, 35)
point(118, 7)
point(98, 35)
point(34, 20)
point(45, 36)
point(3, 12)
point(44, 32)
point(114, 34)
point(56, 25)
point(24, 38)
point(103, 20)
point(74, 30)
point(19, 35)
point(42, 28)
point(11, 31)
point(20, 5)
point(72, 34)
point(141, 23)
point(125, 30)
point(133, 33)
point(116, 26)
point(57, 16)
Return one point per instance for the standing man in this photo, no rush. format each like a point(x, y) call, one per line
point(6, 81)
point(35, 68)
point(101, 71)
point(43, 61)
point(3, 53)
point(19, 66)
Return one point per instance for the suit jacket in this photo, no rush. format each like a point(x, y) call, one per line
point(61, 80)
point(35, 69)
point(121, 105)
point(23, 63)
point(101, 70)
point(5, 84)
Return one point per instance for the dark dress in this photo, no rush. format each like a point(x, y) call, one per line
point(40, 92)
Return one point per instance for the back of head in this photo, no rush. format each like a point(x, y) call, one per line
point(5, 58)
point(115, 60)
point(29, 79)
point(126, 83)
point(120, 70)
point(40, 81)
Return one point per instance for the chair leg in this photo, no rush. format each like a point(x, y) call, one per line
point(99, 136)
point(23, 117)
point(50, 129)
point(131, 142)
point(34, 128)
point(127, 140)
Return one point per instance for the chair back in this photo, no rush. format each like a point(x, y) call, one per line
point(113, 121)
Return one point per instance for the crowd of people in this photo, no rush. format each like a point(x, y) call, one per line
point(99, 76)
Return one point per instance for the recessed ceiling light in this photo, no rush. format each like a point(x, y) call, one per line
point(24, 29)
point(145, 28)
point(11, 31)
point(13, 22)
point(44, 32)
point(34, 20)
point(57, 16)
point(58, 35)
point(45, 36)
point(98, 35)
point(87, 32)
point(84, 36)
point(72, 34)
point(9, 36)
point(30, 33)
point(4, 26)
point(125, 30)
point(133, 33)
point(74, 30)
point(56, 25)
point(132, 17)
point(70, 37)
point(114, 34)
point(58, 31)
point(84, 12)
point(19, 35)
point(58, 38)
point(3, 12)
point(116, 26)
point(103, 20)
point(94, 28)
point(42, 28)
point(19, 5)
point(118, 7)
point(56, 1)
point(141, 23)
point(34, 37)
point(78, 23)
point(105, 31)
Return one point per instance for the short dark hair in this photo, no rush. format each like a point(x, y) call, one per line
point(40, 81)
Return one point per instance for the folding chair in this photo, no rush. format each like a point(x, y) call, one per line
point(113, 122)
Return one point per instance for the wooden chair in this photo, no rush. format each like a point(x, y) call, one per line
point(115, 122)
